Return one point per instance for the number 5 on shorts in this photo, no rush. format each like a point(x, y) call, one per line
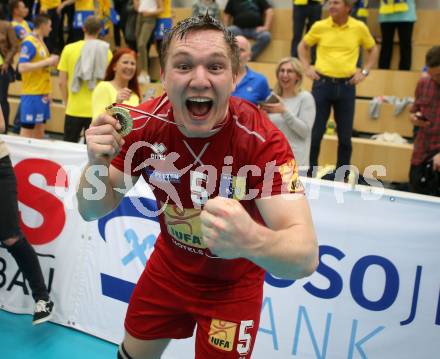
point(244, 338)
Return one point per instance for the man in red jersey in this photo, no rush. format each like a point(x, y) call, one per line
point(231, 206)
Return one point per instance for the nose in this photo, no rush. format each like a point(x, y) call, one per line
point(200, 78)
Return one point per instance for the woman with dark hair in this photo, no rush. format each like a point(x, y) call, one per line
point(120, 84)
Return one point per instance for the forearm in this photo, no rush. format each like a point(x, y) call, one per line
point(371, 58)
point(32, 66)
point(304, 54)
point(268, 16)
point(290, 253)
point(96, 196)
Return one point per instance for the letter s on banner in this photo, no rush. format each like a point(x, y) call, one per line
point(49, 206)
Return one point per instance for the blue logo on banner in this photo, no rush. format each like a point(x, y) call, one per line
point(118, 288)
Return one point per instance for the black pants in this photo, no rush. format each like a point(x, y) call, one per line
point(73, 126)
point(53, 41)
point(5, 79)
point(341, 96)
point(22, 251)
point(405, 30)
point(304, 16)
point(431, 184)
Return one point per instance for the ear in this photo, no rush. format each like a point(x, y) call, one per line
point(234, 81)
point(162, 78)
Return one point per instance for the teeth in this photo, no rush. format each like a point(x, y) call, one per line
point(199, 99)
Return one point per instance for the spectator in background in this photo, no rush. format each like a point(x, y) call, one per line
point(252, 19)
point(400, 15)
point(130, 25)
point(201, 7)
point(83, 9)
point(9, 46)
point(335, 75)
point(145, 24)
point(34, 66)
point(164, 23)
point(295, 112)
point(19, 11)
point(120, 83)
point(51, 9)
point(425, 114)
point(77, 94)
point(15, 242)
point(305, 14)
point(67, 14)
point(251, 85)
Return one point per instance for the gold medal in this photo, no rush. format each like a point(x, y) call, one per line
point(124, 118)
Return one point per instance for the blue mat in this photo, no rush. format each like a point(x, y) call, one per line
point(21, 340)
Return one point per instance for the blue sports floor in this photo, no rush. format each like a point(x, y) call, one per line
point(19, 339)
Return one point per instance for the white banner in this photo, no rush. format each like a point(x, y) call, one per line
point(376, 293)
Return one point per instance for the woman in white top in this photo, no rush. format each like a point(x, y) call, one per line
point(120, 84)
point(294, 113)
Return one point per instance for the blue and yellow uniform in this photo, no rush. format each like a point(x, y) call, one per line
point(22, 28)
point(49, 4)
point(83, 9)
point(36, 84)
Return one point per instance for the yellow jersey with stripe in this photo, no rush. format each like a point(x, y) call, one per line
point(49, 4)
point(305, 2)
point(36, 82)
point(166, 13)
point(22, 28)
point(84, 5)
point(338, 46)
point(393, 6)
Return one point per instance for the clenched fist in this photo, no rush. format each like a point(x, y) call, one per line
point(228, 230)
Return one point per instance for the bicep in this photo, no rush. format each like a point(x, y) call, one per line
point(285, 210)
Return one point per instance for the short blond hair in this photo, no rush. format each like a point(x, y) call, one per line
point(297, 68)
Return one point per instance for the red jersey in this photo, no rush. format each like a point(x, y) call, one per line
point(248, 158)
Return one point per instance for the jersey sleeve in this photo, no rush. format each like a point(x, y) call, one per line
point(27, 52)
point(20, 31)
point(279, 168)
point(312, 36)
point(62, 64)
point(367, 39)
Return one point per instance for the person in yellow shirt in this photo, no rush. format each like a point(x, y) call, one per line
point(335, 75)
point(120, 84)
point(34, 64)
point(79, 101)
point(19, 11)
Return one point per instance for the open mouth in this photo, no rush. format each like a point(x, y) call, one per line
point(199, 106)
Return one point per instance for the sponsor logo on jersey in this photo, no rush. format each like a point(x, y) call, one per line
point(159, 151)
point(222, 334)
point(158, 176)
point(184, 225)
point(232, 186)
point(289, 175)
